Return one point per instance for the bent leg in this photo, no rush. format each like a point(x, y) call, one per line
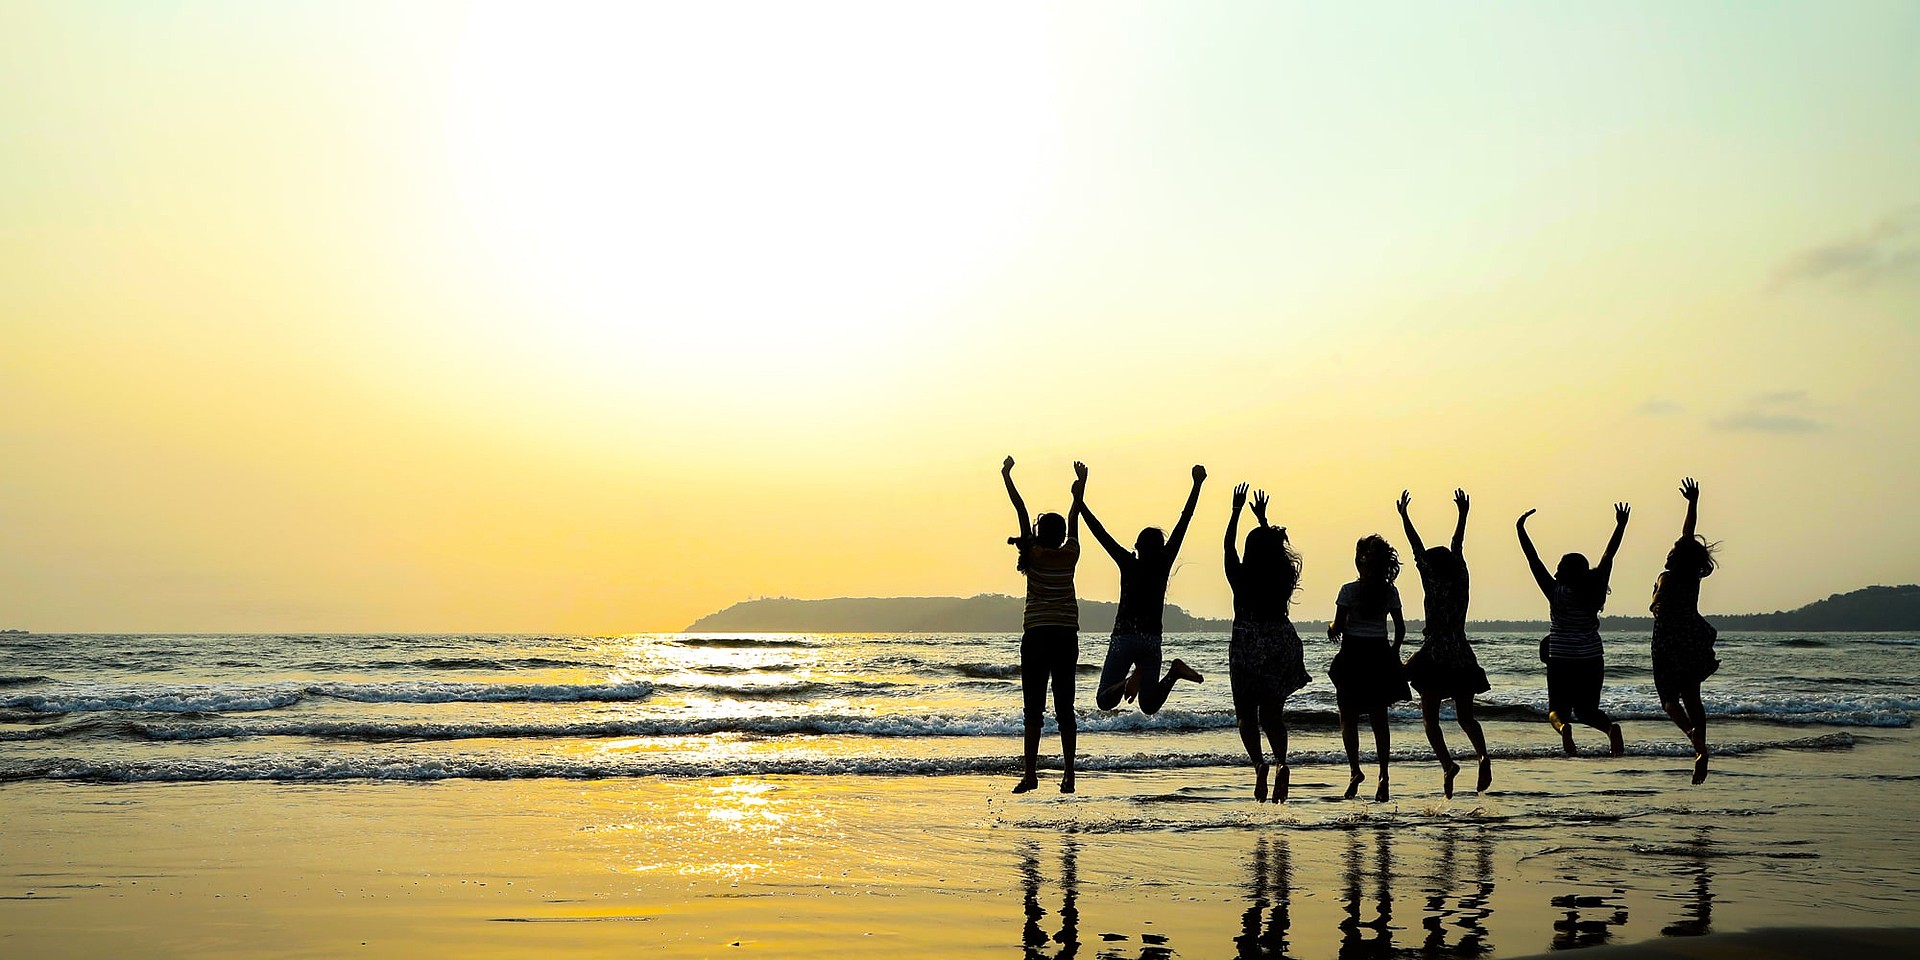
point(1113, 674)
point(1430, 714)
point(1463, 712)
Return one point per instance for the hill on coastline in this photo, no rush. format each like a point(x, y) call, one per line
point(1868, 609)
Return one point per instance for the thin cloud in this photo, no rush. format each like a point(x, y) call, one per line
point(1780, 411)
point(1888, 249)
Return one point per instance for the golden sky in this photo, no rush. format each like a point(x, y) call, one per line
point(448, 316)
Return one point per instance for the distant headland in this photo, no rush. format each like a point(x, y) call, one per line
point(1868, 609)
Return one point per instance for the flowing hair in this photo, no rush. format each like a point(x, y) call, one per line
point(1272, 562)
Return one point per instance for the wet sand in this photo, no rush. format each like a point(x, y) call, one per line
point(1564, 853)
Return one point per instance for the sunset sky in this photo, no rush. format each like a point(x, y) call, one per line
point(436, 317)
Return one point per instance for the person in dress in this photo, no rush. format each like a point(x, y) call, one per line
point(1445, 668)
point(1135, 644)
point(1264, 659)
point(1366, 673)
point(1050, 638)
point(1573, 651)
point(1682, 638)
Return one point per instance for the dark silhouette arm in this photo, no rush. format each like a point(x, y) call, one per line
point(1605, 569)
point(1186, 513)
point(1233, 527)
point(1413, 536)
point(1399, 629)
point(1540, 574)
point(1120, 556)
point(1691, 491)
point(1013, 493)
point(1460, 528)
point(1079, 496)
point(1339, 624)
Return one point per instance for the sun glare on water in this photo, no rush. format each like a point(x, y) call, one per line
point(757, 186)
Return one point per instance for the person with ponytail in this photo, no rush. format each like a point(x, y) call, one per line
point(1050, 638)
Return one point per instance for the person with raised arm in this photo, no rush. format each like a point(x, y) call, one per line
point(1366, 673)
point(1264, 659)
point(1574, 654)
point(1050, 637)
point(1135, 644)
point(1682, 638)
point(1445, 668)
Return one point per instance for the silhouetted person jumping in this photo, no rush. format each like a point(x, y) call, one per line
point(1445, 668)
point(1574, 654)
point(1682, 638)
point(1050, 640)
point(1136, 624)
point(1264, 658)
point(1366, 673)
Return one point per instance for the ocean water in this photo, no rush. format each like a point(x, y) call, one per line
point(292, 708)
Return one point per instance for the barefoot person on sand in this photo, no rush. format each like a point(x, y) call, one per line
point(1682, 638)
point(1050, 641)
point(1136, 624)
point(1445, 668)
point(1575, 657)
point(1264, 659)
point(1366, 672)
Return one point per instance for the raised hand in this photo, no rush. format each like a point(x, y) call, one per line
point(1523, 518)
point(1405, 498)
point(1239, 496)
point(1690, 489)
point(1460, 499)
point(1259, 506)
point(1080, 470)
point(1006, 466)
point(1620, 511)
point(1199, 474)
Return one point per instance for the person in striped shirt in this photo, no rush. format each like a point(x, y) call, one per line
point(1574, 654)
point(1050, 637)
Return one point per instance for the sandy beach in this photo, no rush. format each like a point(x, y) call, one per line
point(1563, 853)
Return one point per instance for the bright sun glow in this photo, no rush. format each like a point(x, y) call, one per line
point(806, 195)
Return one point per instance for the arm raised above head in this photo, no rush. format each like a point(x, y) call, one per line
point(1540, 574)
point(1690, 490)
point(1460, 528)
point(1413, 536)
point(1620, 513)
point(1079, 491)
point(1118, 553)
point(1186, 513)
point(1013, 493)
point(1233, 525)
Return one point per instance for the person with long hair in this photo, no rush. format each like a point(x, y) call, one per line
point(1366, 673)
point(1050, 637)
point(1264, 659)
point(1573, 651)
point(1682, 638)
point(1135, 644)
point(1445, 668)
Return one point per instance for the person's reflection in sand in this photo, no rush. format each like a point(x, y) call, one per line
point(1577, 930)
point(1467, 912)
point(1262, 934)
point(1033, 936)
point(1696, 918)
point(1354, 942)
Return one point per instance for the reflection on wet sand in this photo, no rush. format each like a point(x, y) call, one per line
point(1448, 906)
point(1696, 917)
point(1264, 934)
point(1360, 937)
point(1589, 921)
point(1033, 935)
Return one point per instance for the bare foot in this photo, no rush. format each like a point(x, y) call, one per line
point(1184, 672)
point(1380, 795)
point(1026, 783)
point(1451, 770)
point(1700, 766)
point(1260, 783)
point(1566, 742)
point(1616, 742)
point(1353, 785)
point(1066, 782)
point(1486, 775)
point(1280, 784)
point(1132, 689)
